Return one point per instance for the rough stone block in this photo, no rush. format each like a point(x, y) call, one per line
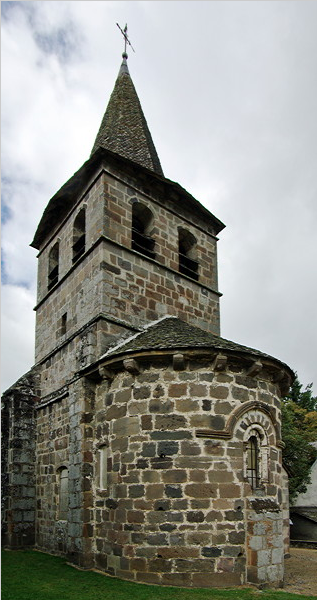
point(173, 491)
point(255, 542)
point(138, 564)
point(171, 435)
point(146, 422)
point(202, 565)
point(171, 421)
point(142, 392)
point(217, 580)
point(116, 412)
point(190, 448)
point(137, 408)
point(167, 448)
point(160, 565)
point(175, 476)
point(197, 390)
point(201, 490)
point(148, 577)
point(187, 405)
point(136, 491)
point(126, 426)
point(156, 539)
point(135, 516)
point(211, 551)
point(177, 579)
point(160, 406)
point(195, 516)
point(177, 390)
point(154, 491)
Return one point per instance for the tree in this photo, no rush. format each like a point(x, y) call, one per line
point(299, 428)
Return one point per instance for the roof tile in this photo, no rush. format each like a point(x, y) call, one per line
point(124, 129)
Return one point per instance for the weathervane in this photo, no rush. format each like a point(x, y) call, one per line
point(126, 40)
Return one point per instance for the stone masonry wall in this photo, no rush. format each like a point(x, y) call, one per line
point(18, 463)
point(178, 508)
point(64, 435)
point(53, 431)
point(113, 283)
point(167, 218)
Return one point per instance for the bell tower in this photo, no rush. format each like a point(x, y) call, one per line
point(119, 246)
point(149, 446)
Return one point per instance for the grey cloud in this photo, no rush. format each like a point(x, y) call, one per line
point(229, 93)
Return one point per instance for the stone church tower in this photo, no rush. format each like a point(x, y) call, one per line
point(141, 443)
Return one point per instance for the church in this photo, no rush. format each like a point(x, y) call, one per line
point(141, 443)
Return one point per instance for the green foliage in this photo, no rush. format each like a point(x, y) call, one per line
point(304, 399)
point(28, 575)
point(299, 428)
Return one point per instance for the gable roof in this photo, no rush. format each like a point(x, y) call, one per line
point(124, 129)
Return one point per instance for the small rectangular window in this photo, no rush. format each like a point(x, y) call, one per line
point(64, 324)
point(63, 495)
point(103, 475)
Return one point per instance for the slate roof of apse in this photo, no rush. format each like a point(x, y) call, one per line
point(66, 197)
point(124, 128)
point(173, 333)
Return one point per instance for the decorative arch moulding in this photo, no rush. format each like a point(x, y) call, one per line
point(246, 407)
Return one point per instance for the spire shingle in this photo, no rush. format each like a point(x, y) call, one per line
point(124, 129)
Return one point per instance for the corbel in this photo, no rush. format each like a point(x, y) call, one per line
point(105, 373)
point(131, 365)
point(178, 362)
point(255, 368)
point(277, 378)
point(220, 362)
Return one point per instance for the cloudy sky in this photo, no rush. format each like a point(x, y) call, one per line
point(229, 92)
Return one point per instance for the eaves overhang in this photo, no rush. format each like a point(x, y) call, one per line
point(67, 196)
point(166, 338)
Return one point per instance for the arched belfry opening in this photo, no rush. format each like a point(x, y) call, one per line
point(79, 235)
point(142, 221)
point(53, 266)
point(187, 253)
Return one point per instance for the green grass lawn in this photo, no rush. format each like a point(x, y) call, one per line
point(28, 575)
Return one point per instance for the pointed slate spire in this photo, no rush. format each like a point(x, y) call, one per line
point(124, 129)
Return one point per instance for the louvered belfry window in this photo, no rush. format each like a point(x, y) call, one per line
point(142, 219)
point(53, 266)
point(188, 264)
point(79, 235)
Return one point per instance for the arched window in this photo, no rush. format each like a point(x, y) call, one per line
point(79, 235)
point(188, 264)
point(53, 262)
point(63, 494)
point(253, 473)
point(256, 460)
point(142, 219)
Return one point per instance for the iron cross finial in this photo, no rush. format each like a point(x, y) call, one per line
point(126, 40)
